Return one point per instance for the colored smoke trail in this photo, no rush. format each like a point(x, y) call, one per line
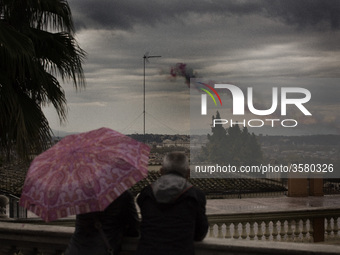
point(182, 70)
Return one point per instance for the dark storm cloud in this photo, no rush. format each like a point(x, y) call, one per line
point(306, 13)
point(126, 14)
point(249, 43)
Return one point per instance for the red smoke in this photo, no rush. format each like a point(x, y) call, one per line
point(182, 70)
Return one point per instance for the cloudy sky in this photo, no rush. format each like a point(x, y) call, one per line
point(244, 42)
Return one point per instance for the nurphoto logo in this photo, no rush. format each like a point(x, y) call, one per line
point(238, 104)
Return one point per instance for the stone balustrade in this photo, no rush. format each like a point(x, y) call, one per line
point(291, 226)
point(256, 232)
point(23, 238)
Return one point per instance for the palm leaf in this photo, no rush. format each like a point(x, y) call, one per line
point(36, 46)
point(16, 51)
point(60, 55)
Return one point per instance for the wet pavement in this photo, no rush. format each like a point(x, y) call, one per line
point(271, 204)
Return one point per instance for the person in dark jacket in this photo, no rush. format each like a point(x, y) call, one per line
point(173, 211)
point(119, 219)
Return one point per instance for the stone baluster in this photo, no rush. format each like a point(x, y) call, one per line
point(227, 230)
point(236, 232)
point(267, 230)
point(244, 234)
point(252, 232)
point(296, 232)
point(328, 231)
point(3, 204)
point(290, 230)
point(219, 230)
point(335, 227)
point(304, 230)
point(311, 231)
point(275, 232)
point(211, 230)
point(282, 230)
point(259, 230)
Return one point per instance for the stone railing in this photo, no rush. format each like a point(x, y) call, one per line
point(20, 238)
point(295, 226)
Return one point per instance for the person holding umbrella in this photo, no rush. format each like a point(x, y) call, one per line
point(88, 175)
point(102, 233)
point(173, 211)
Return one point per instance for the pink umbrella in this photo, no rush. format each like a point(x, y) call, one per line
point(83, 173)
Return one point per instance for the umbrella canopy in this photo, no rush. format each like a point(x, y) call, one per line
point(83, 173)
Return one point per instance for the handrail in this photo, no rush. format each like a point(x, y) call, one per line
point(8, 193)
point(293, 225)
point(37, 239)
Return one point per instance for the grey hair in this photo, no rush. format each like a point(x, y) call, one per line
point(176, 162)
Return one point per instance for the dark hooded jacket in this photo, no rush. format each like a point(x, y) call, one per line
point(117, 220)
point(173, 217)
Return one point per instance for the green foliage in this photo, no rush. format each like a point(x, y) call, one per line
point(231, 146)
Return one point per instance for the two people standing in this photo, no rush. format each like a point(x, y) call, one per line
point(173, 217)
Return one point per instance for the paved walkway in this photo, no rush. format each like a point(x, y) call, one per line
point(271, 204)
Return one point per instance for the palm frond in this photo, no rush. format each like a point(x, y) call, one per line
point(22, 123)
point(36, 46)
point(54, 14)
point(60, 54)
point(16, 51)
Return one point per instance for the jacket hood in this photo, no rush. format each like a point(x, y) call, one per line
point(169, 187)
